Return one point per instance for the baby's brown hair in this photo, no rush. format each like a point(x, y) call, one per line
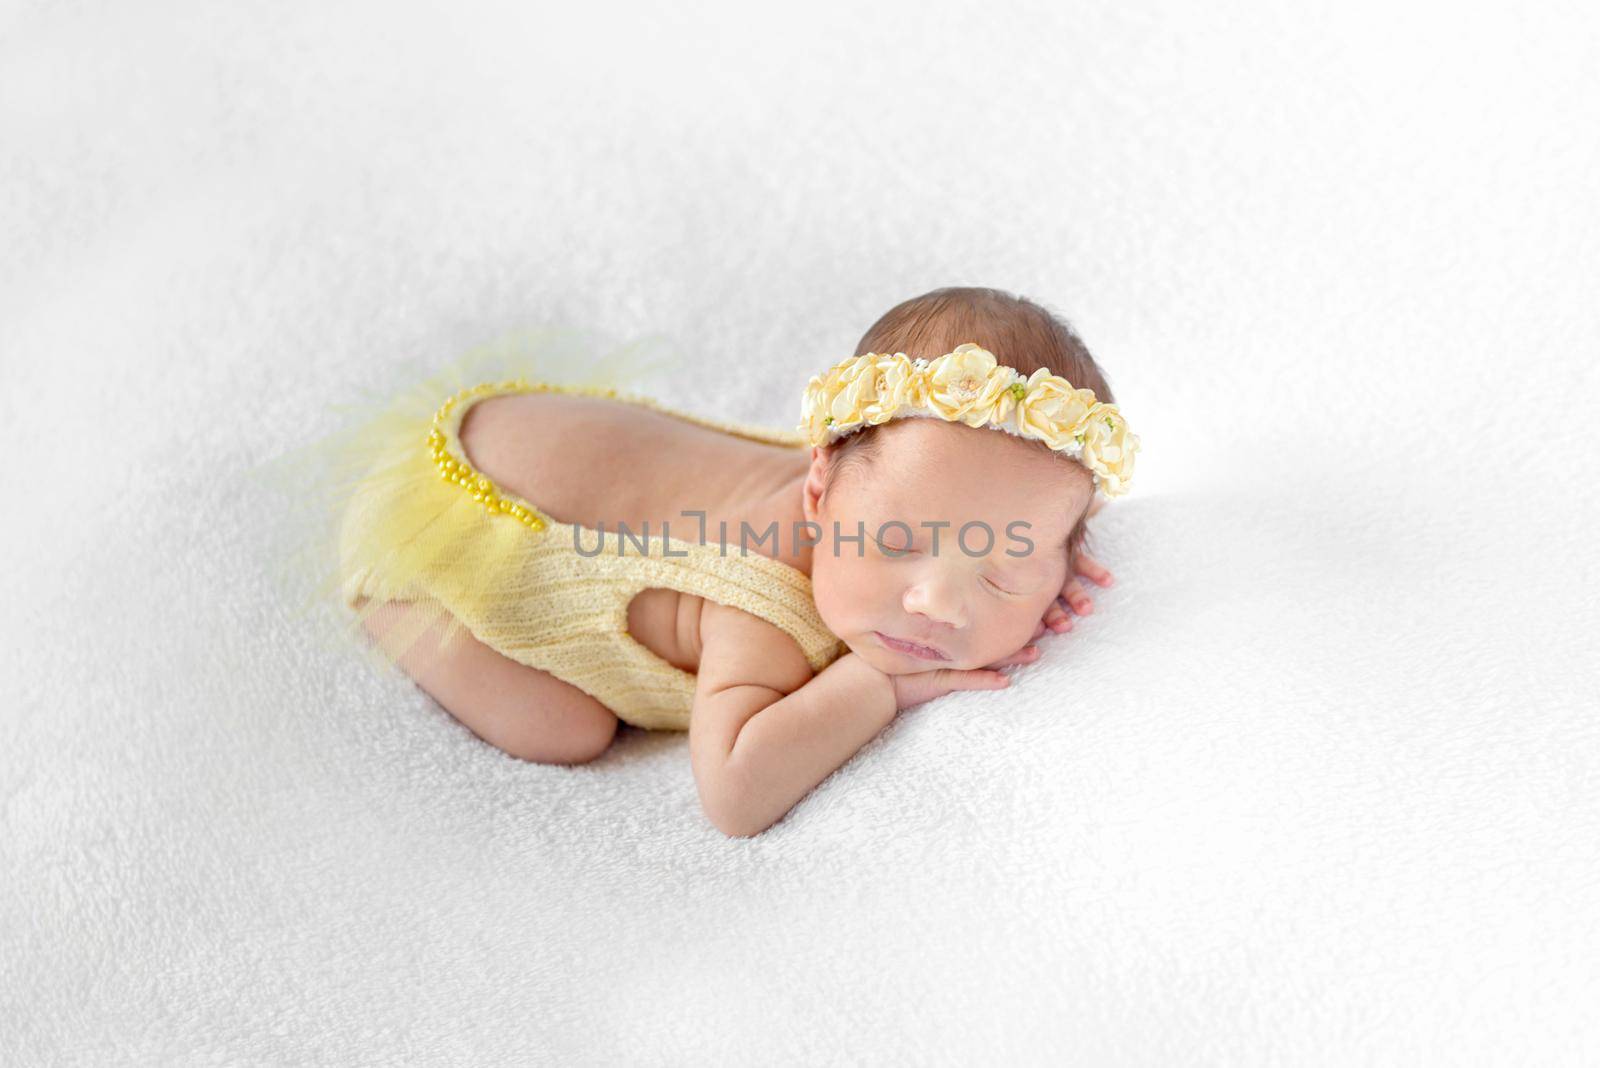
point(1021, 334)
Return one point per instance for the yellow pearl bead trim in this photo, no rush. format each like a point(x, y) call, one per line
point(455, 468)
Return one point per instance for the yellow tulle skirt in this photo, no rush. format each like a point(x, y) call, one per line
point(356, 513)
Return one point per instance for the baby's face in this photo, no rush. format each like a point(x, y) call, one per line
point(977, 596)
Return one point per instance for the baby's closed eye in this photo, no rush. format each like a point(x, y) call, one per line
point(996, 584)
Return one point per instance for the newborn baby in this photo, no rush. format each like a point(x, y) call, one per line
point(917, 535)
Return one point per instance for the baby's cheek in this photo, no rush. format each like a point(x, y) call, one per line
point(1016, 629)
point(842, 605)
point(840, 602)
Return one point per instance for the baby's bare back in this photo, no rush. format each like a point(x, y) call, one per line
point(595, 461)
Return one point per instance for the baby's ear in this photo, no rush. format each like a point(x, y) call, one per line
point(815, 479)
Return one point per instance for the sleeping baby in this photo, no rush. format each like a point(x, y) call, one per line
point(550, 561)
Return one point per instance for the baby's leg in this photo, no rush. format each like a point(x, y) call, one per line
point(527, 712)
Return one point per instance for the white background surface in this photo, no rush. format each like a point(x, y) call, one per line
point(1314, 784)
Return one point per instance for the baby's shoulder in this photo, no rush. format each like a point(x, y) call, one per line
point(738, 648)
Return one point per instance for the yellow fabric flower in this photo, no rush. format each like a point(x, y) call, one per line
point(966, 384)
point(895, 386)
point(1051, 410)
point(868, 389)
point(1108, 448)
point(816, 408)
point(856, 381)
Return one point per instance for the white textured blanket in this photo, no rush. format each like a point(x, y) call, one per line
point(1314, 784)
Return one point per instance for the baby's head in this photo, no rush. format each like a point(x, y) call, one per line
point(992, 521)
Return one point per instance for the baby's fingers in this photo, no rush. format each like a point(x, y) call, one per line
point(1057, 618)
point(1090, 568)
point(977, 679)
point(1026, 655)
point(923, 686)
point(1075, 595)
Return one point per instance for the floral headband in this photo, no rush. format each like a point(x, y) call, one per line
point(969, 386)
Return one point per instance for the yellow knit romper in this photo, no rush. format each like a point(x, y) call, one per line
point(424, 526)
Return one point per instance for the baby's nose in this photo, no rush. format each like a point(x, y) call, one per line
point(935, 602)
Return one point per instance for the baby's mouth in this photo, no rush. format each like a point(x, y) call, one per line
point(910, 648)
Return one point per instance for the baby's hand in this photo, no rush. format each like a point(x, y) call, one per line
point(1072, 592)
point(923, 686)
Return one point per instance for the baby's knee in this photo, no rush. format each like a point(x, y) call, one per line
point(575, 736)
point(525, 712)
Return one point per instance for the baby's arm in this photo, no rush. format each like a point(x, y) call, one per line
point(764, 731)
